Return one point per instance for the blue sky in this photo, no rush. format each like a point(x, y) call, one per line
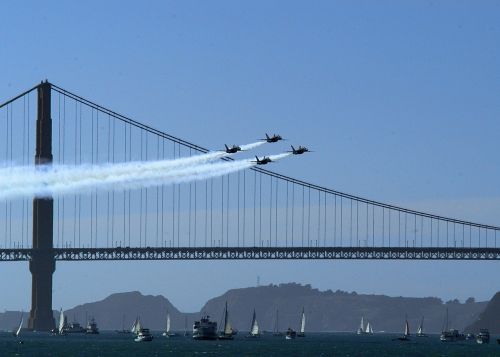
point(399, 100)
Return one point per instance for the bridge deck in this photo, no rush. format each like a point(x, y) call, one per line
point(273, 253)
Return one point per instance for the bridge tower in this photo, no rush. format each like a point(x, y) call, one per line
point(42, 264)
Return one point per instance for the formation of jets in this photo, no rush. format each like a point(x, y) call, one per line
point(270, 139)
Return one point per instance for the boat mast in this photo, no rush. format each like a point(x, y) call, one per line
point(276, 322)
point(253, 320)
point(303, 322)
point(225, 319)
point(20, 325)
point(407, 326)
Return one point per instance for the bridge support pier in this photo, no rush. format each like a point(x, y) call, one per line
point(42, 264)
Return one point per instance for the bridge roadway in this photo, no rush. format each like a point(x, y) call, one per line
point(242, 253)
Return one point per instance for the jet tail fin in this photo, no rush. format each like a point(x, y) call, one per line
point(267, 136)
point(293, 149)
point(226, 147)
point(257, 158)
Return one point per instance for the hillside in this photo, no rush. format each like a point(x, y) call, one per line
point(489, 318)
point(338, 311)
point(325, 310)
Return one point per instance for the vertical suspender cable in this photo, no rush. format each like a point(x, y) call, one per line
point(146, 201)
point(179, 207)
point(270, 210)
point(293, 209)
point(189, 208)
point(221, 241)
point(140, 205)
point(227, 213)
point(276, 214)
point(75, 161)
point(107, 205)
point(238, 212)
point(244, 206)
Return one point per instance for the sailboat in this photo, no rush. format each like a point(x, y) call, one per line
point(406, 336)
point(167, 332)
point(186, 333)
point(18, 331)
point(450, 335)
point(302, 325)
point(123, 330)
point(254, 328)
point(361, 328)
point(369, 329)
point(143, 334)
point(136, 326)
point(62, 323)
point(276, 331)
point(420, 331)
point(227, 333)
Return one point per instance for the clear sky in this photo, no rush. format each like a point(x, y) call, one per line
point(399, 100)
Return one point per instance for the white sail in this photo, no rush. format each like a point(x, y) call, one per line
point(255, 325)
point(61, 322)
point(18, 331)
point(255, 328)
point(303, 322)
point(168, 323)
point(134, 326)
point(368, 328)
point(421, 327)
point(371, 330)
point(407, 329)
point(362, 326)
point(138, 326)
point(228, 329)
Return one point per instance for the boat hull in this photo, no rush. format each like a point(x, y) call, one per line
point(199, 338)
point(226, 337)
point(169, 335)
point(253, 336)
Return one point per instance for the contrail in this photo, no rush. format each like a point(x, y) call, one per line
point(46, 181)
point(252, 145)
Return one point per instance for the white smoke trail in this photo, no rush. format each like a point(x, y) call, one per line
point(19, 182)
point(252, 145)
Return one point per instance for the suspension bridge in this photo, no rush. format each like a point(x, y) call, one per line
point(249, 214)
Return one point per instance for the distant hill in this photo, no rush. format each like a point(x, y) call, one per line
point(489, 318)
point(338, 311)
point(325, 310)
point(111, 312)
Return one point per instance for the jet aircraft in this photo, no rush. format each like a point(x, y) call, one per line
point(263, 161)
point(299, 151)
point(273, 139)
point(233, 149)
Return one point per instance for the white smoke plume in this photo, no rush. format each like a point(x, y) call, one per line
point(46, 181)
point(252, 146)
